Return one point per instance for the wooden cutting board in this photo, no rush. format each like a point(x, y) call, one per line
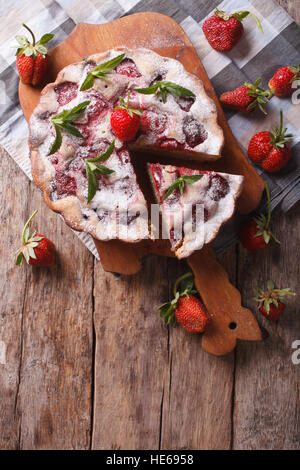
point(164, 36)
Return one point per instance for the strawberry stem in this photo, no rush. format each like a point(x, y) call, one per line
point(181, 278)
point(269, 205)
point(26, 225)
point(32, 35)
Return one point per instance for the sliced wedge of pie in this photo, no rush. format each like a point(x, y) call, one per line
point(194, 204)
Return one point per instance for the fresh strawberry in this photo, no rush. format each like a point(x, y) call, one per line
point(32, 58)
point(281, 84)
point(270, 302)
point(246, 97)
point(125, 121)
point(270, 148)
point(185, 308)
point(223, 31)
point(255, 233)
point(37, 249)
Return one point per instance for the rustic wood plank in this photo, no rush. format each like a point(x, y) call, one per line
point(12, 298)
point(292, 7)
point(131, 357)
point(267, 392)
point(50, 318)
point(198, 386)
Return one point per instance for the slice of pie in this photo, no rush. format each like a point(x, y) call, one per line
point(194, 204)
point(59, 153)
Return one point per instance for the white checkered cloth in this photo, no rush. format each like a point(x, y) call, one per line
point(256, 55)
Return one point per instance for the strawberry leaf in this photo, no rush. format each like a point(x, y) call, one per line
point(19, 259)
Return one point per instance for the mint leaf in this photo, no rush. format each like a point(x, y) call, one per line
point(101, 71)
point(104, 156)
point(88, 82)
point(57, 142)
point(63, 121)
point(179, 182)
point(164, 88)
point(92, 167)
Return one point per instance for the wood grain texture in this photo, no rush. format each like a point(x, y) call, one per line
point(292, 7)
point(267, 416)
point(46, 324)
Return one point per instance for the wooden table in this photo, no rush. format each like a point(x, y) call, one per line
point(86, 362)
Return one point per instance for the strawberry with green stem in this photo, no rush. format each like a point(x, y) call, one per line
point(255, 233)
point(271, 302)
point(270, 149)
point(223, 31)
point(185, 308)
point(125, 120)
point(32, 58)
point(37, 250)
point(281, 84)
point(247, 97)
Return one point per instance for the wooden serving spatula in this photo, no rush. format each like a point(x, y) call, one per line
point(163, 35)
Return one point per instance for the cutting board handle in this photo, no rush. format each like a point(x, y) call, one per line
point(230, 321)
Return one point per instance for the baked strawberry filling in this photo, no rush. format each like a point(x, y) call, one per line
point(66, 92)
point(128, 67)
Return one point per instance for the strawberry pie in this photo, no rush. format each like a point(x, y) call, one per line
point(189, 196)
point(85, 170)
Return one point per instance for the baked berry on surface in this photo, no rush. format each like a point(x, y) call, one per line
point(271, 303)
point(281, 84)
point(37, 250)
point(270, 149)
point(255, 233)
point(125, 121)
point(246, 98)
point(32, 58)
point(223, 31)
point(185, 308)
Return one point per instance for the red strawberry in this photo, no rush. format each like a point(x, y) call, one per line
point(32, 58)
point(270, 302)
point(270, 149)
point(281, 82)
point(223, 31)
point(189, 312)
point(246, 97)
point(125, 121)
point(37, 249)
point(255, 233)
